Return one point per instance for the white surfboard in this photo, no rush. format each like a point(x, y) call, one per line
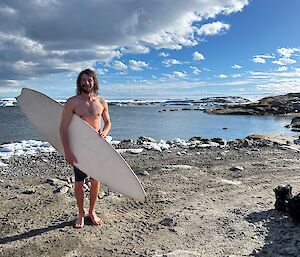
point(96, 157)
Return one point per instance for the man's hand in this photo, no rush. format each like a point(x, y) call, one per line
point(70, 158)
point(102, 134)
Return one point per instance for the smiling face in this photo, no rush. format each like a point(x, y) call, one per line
point(86, 83)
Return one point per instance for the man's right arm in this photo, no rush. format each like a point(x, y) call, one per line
point(64, 124)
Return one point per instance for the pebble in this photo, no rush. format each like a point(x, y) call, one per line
point(62, 190)
point(168, 222)
point(145, 173)
point(29, 191)
point(236, 168)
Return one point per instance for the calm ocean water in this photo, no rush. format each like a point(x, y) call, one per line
point(131, 122)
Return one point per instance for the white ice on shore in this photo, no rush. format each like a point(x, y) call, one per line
point(160, 146)
point(25, 147)
point(133, 151)
point(32, 147)
point(180, 142)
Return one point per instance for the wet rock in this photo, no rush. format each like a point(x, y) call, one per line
point(295, 123)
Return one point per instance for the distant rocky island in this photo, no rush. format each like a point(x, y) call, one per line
point(199, 102)
point(288, 104)
point(274, 105)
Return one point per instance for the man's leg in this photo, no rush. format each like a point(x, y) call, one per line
point(94, 192)
point(79, 194)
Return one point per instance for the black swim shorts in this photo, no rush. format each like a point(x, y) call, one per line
point(79, 175)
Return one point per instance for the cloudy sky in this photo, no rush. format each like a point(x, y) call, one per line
point(151, 49)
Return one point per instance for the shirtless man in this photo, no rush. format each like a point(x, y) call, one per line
point(90, 107)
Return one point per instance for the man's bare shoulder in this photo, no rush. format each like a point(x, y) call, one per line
point(102, 100)
point(73, 100)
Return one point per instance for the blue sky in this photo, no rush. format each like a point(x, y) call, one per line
point(154, 49)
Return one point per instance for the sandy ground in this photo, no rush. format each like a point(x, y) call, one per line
point(196, 206)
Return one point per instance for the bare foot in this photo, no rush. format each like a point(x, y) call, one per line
point(95, 219)
point(79, 222)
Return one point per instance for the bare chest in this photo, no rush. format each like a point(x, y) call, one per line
point(89, 110)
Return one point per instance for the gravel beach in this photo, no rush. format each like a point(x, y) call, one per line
point(212, 198)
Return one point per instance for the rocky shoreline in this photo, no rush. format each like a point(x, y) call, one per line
point(205, 197)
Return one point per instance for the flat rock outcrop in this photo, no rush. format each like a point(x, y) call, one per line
point(274, 105)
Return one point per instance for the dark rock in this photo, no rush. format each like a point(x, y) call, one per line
point(141, 140)
point(295, 124)
point(220, 141)
point(167, 222)
point(236, 168)
point(283, 194)
point(247, 143)
point(195, 139)
point(293, 208)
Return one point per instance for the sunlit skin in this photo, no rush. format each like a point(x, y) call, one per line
point(91, 108)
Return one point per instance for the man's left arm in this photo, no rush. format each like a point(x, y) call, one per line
point(106, 120)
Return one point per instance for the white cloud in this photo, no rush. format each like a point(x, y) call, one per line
point(163, 54)
point(284, 61)
point(282, 68)
point(179, 74)
point(236, 66)
point(137, 65)
point(135, 49)
point(101, 71)
point(282, 87)
point(176, 74)
point(222, 76)
point(213, 28)
point(287, 52)
point(266, 56)
point(170, 62)
point(69, 32)
point(262, 58)
point(118, 65)
point(258, 60)
point(196, 70)
point(198, 56)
